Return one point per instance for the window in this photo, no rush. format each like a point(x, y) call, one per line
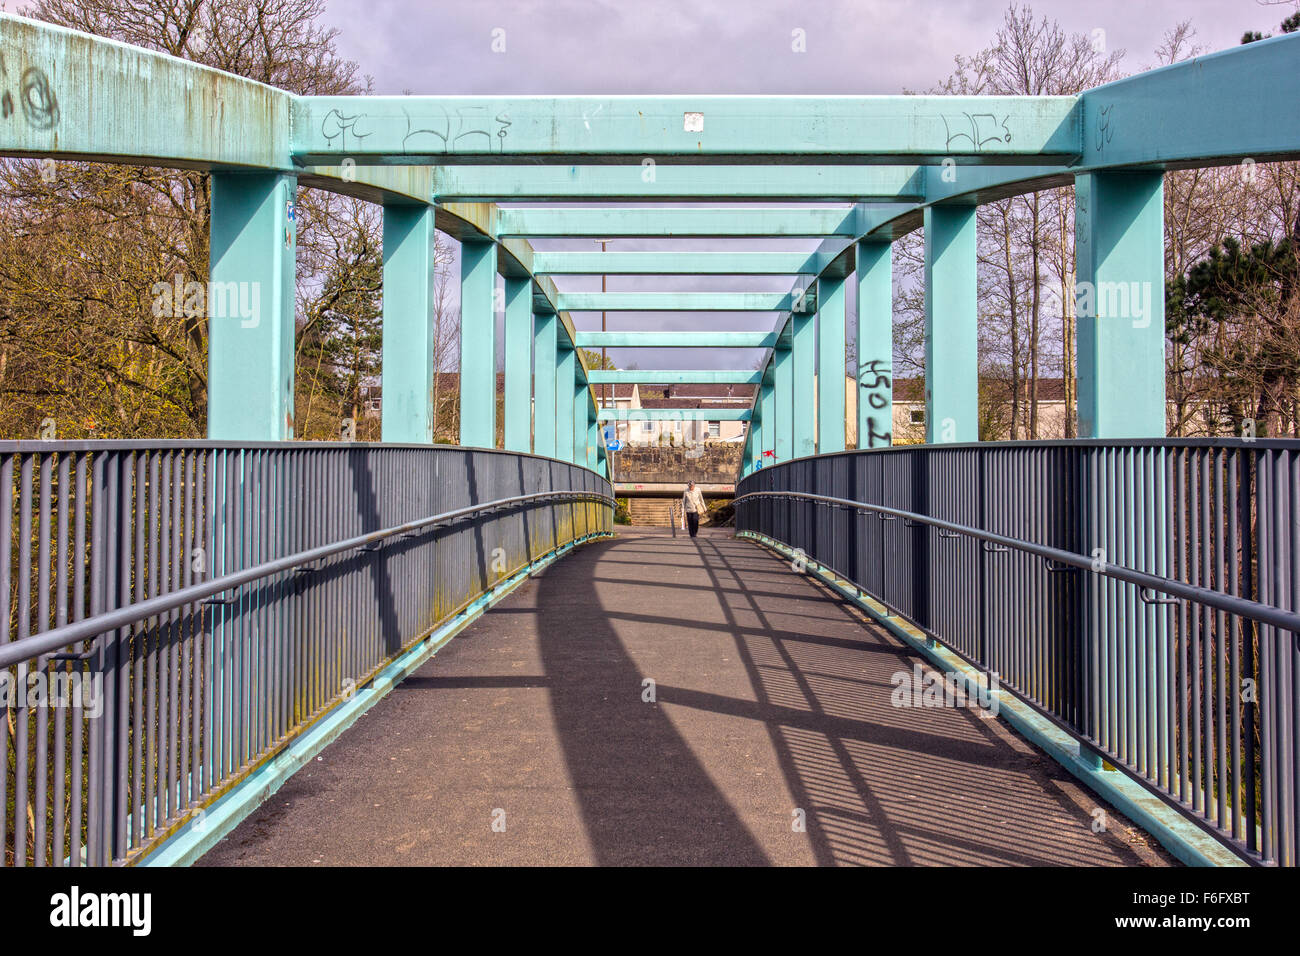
point(715, 429)
point(647, 426)
point(918, 416)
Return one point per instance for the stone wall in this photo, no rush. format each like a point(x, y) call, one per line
point(715, 463)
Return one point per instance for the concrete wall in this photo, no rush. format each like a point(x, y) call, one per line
point(714, 463)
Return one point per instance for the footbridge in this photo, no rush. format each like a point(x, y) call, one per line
point(285, 651)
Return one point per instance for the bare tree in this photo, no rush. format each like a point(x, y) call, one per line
point(81, 255)
point(1026, 238)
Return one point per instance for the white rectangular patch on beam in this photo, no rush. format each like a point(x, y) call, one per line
point(693, 123)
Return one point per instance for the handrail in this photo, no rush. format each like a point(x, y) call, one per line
point(56, 638)
point(1232, 604)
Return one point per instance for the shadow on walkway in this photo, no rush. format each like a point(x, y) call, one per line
point(770, 738)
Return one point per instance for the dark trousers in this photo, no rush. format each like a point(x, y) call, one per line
point(692, 522)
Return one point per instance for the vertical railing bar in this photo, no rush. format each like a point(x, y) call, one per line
point(175, 679)
point(22, 768)
point(188, 732)
point(62, 733)
point(1220, 648)
point(6, 593)
point(40, 794)
point(80, 566)
point(151, 637)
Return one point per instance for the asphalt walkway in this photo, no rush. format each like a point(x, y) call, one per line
point(530, 739)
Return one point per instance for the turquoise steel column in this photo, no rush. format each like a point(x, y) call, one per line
point(251, 307)
point(408, 324)
point(951, 343)
point(478, 353)
point(564, 372)
point(579, 438)
point(544, 356)
point(753, 442)
point(767, 409)
point(519, 343)
point(783, 401)
point(875, 344)
point(593, 437)
point(803, 328)
point(831, 316)
point(1120, 296)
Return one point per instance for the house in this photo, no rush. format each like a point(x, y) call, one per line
point(682, 398)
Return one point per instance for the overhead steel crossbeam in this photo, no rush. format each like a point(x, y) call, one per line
point(87, 92)
point(735, 222)
point(679, 263)
point(679, 377)
point(713, 414)
point(686, 340)
point(674, 181)
point(684, 301)
point(890, 130)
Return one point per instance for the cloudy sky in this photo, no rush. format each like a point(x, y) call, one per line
point(726, 47)
point(729, 46)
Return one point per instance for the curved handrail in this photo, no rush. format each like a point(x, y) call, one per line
point(60, 637)
point(1231, 604)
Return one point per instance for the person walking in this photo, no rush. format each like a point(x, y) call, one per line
point(692, 507)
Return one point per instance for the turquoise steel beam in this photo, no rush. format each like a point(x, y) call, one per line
point(952, 185)
point(803, 331)
point(832, 314)
point(951, 342)
point(1120, 304)
point(975, 185)
point(79, 96)
point(875, 352)
point(675, 414)
point(660, 223)
point(1228, 121)
point(678, 263)
point(381, 185)
point(886, 130)
point(639, 182)
point(683, 340)
point(783, 401)
point(250, 307)
point(518, 372)
point(478, 354)
point(675, 377)
point(544, 377)
point(1222, 107)
point(593, 440)
point(407, 414)
point(676, 301)
point(565, 370)
point(84, 98)
point(767, 412)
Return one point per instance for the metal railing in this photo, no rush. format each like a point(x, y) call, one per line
point(1141, 595)
point(179, 611)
